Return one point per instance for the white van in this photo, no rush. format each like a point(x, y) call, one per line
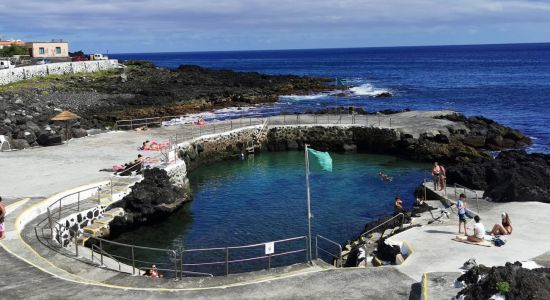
point(6, 64)
point(98, 57)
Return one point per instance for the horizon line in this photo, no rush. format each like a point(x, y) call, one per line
point(333, 48)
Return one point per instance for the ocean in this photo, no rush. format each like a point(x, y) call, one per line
point(508, 83)
point(234, 202)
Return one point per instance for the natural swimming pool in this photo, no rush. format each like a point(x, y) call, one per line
point(263, 198)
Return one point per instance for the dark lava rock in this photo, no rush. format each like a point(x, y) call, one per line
point(524, 283)
point(19, 144)
point(150, 201)
point(46, 138)
point(384, 95)
point(511, 176)
point(78, 132)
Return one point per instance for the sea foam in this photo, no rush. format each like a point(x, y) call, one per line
point(367, 89)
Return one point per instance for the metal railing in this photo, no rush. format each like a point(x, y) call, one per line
point(226, 251)
point(336, 256)
point(176, 263)
point(402, 215)
point(337, 116)
point(62, 206)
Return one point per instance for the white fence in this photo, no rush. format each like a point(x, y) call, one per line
point(8, 76)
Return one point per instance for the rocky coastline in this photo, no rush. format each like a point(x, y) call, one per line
point(511, 176)
point(139, 90)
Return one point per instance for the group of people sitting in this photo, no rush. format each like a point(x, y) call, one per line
point(505, 228)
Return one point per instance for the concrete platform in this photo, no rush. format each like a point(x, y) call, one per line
point(38, 275)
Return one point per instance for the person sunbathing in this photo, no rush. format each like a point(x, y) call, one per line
point(505, 228)
point(479, 231)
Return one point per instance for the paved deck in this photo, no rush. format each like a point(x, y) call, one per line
point(54, 169)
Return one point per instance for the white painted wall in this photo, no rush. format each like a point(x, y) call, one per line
point(17, 74)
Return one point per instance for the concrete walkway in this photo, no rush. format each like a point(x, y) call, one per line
point(54, 169)
point(43, 171)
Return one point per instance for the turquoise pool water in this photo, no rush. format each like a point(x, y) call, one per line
point(263, 198)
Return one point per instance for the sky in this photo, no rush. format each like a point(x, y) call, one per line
point(124, 26)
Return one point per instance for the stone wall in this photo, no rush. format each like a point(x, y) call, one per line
point(23, 73)
point(76, 223)
point(216, 147)
point(178, 173)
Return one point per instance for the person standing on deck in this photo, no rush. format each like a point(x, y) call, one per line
point(461, 206)
point(436, 172)
point(442, 178)
point(2, 217)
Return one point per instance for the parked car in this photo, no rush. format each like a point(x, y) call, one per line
point(6, 64)
point(98, 56)
point(80, 58)
point(42, 62)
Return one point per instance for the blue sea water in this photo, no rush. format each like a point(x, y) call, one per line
point(263, 198)
point(508, 83)
point(244, 202)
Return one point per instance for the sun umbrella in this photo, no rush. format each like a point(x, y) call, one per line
point(66, 116)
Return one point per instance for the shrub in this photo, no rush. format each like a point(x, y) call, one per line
point(503, 287)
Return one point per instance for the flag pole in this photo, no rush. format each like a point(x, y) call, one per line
point(308, 204)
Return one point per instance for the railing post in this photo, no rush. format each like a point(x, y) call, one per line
point(101, 251)
point(59, 212)
point(231, 121)
point(76, 242)
point(78, 202)
point(316, 247)
point(175, 264)
point(269, 262)
point(133, 261)
point(341, 259)
point(226, 261)
point(477, 202)
point(307, 248)
point(50, 221)
point(181, 263)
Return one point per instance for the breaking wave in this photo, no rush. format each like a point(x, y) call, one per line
point(368, 89)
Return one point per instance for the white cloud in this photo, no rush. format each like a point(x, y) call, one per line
point(145, 18)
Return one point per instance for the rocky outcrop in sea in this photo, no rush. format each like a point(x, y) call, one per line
point(149, 201)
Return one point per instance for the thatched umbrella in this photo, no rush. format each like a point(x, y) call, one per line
point(66, 116)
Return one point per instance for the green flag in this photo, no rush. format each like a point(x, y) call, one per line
point(320, 160)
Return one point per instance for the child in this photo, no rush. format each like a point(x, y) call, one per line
point(479, 231)
point(461, 205)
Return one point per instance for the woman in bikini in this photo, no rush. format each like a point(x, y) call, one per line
point(505, 228)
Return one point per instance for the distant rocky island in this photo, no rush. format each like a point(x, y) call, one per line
point(137, 91)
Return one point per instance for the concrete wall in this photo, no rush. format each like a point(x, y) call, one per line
point(8, 76)
point(76, 223)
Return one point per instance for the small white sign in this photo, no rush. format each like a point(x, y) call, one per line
point(269, 248)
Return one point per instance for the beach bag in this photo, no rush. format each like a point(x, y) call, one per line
point(499, 242)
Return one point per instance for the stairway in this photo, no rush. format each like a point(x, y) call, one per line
point(256, 140)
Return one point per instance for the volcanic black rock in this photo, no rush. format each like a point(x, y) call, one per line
point(523, 283)
point(511, 176)
point(150, 201)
